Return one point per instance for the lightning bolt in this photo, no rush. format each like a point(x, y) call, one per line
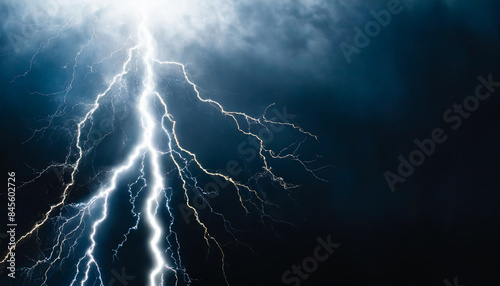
point(79, 223)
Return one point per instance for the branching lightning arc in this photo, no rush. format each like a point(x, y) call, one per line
point(78, 224)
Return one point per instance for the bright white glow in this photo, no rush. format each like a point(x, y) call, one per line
point(150, 127)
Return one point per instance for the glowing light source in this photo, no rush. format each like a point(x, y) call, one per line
point(143, 53)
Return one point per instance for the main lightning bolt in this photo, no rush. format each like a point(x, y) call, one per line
point(80, 223)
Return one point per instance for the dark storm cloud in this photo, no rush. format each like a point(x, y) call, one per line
point(295, 42)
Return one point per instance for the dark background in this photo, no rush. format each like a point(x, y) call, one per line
point(442, 223)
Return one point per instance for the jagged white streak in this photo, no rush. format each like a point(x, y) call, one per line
point(146, 150)
point(149, 126)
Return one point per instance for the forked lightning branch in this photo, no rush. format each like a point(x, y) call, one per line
point(76, 245)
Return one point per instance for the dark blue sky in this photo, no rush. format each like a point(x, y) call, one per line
point(442, 222)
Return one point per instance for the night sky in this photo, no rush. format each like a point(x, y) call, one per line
point(375, 218)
